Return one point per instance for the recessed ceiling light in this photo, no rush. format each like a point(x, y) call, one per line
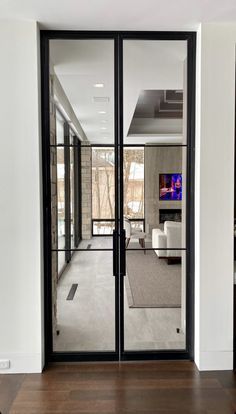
point(98, 85)
point(103, 128)
point(104, 121)
point(102, 112)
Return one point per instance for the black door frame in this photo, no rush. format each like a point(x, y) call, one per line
point(77, 191)
point(119, 246)
point(67, 130)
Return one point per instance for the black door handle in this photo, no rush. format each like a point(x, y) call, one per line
point(122, 253)
point(115, 253)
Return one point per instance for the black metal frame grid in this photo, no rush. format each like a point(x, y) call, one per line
point(119, 236)
point(67, 132)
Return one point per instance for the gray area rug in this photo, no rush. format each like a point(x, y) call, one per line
point(151, 282)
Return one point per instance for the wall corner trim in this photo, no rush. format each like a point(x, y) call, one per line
point(215, 360)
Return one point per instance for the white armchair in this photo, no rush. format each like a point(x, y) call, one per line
point(136, 234)
point(170, 237)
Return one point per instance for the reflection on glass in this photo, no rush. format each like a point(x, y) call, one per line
point(154, 304)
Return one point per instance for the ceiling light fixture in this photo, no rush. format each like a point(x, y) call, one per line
point(103, 128)
point(102, 112)
point(98, 85)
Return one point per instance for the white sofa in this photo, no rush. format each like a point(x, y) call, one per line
point(170, 237)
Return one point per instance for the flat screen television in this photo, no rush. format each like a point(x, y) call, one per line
point(170, 186)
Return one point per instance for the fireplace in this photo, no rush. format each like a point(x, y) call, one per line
point(170, 215)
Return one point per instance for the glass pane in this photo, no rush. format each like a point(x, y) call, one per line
point(133, 182)
point(85, 304)
point(103, 183)
point(155, 118)
point(164, 200)
point(103, 228)
point(154, 301)
point(61, 207)
point(155, 91)
point(59, 128)
point(81, 94)
point(72, 195)
point(82, 86)
point(137, 225)
point(165, 196)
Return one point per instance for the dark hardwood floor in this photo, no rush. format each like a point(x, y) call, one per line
point(141, 388)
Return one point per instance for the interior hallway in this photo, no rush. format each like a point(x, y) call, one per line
point(86, 323)
point(127, 388)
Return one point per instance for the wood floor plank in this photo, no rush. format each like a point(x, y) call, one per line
point(128, 388)
point(113, 366)
point(9, 386)
point(111, 384)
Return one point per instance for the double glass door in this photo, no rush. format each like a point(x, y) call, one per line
point(124, 102)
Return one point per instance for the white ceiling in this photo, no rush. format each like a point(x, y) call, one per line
point(120, 15)
point(79, 64)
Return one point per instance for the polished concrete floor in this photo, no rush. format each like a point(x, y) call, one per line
point(174, 387)
point(86, 323)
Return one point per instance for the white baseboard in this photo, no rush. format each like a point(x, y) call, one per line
point(33, 363)
point(22, 363)
point(215, 361)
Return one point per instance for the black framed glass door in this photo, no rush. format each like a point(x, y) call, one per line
point(126, 285)
point(157, 99)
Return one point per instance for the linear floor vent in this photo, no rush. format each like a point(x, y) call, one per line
point(72, 291)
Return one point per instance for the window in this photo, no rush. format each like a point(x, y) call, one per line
point(134, 182)
point(103, 189)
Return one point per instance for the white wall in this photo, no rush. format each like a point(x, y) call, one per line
point(215, 197)
point(20, 222)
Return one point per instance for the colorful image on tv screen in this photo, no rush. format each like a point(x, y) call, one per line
point(170, 186)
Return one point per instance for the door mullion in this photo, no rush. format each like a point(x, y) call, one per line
point(120, 194)
point(117, 191)
point(67, 193)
